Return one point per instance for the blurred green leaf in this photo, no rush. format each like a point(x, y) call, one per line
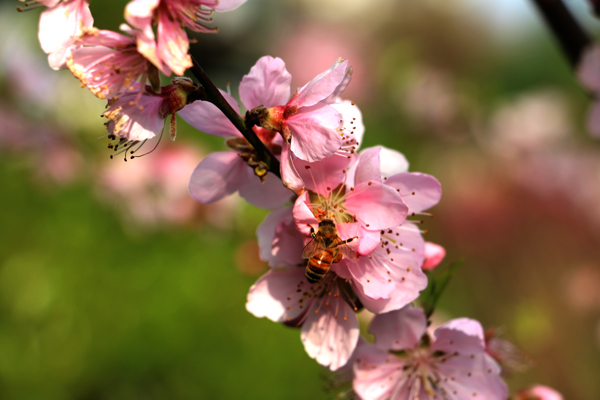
point(438, 280)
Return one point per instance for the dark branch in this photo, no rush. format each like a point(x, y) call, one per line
point(214, 96)
point(571, 36)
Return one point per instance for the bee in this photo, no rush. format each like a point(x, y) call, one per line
point(325, 248)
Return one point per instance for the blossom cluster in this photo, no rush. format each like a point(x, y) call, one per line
point(343, 233)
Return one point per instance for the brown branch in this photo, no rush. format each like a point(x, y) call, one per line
point(572, 37)
point(215, 97)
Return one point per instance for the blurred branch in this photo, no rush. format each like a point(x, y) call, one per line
point(215, 97)
point(570, 34)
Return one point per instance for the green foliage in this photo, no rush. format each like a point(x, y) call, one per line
point(438, 280)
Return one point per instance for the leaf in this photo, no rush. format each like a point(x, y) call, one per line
point(437, 284)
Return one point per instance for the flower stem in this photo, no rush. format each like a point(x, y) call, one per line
point(214, 96)
point(570, 34)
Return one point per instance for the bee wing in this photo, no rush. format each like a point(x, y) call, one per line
point(348, 252)
point(309, 249)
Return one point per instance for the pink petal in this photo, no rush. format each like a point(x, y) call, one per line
point(470, 370)
point(419, 191)
point(330, 336)
point(139, 14)
point(434, 254)
point(367, 169)
point(289, 175)
point(228, 5)
point(321, 86)
point(588, 70)
point(314, 132)
point(374, 383)
point(368, 240)
point(173, 45)
point(267, 84)
point(303, 217)
point(267, 231)
point(460, 334)
point(270, 194)
point(323, 174)
point(268, 297)
point(353, 127)
point(58, 28)
point(392, 162)
point(392, 269)
point(218, 175)
point(206, 117)
point(135, 121)
point(399, 330)
point(377, 206)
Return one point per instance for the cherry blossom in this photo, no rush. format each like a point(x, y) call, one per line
point(434, 254)
point(223, 173)
point(60, 24)
point(268, 84)
point(168, 50)
point(108, 62)
point(537, 392)
point(406, 363)
point(308, 122)
point(350, 192)
point(325, 310)
point(138, 115)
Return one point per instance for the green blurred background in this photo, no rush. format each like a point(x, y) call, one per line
point(115, 285)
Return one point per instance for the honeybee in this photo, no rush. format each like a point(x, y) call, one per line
point(325, 248)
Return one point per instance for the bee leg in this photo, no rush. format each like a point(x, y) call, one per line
point(312, 231)
point(347, 240)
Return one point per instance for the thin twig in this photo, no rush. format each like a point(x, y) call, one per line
point(571, 35)
point(215, 97)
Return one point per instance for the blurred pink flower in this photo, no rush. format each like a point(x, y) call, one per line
point(153, 189)
point(309, 49)
point(405, 363)
point(168, 50)
point(49, 152)
point(434, 254)
point(533, 123)
point(537, 392)
point(59, 25)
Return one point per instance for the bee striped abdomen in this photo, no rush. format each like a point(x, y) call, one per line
point(318, 265)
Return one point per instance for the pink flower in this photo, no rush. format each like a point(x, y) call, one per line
point(60, 24)
point(325, 311)
point(138, 115)
point(308, 122)
point(170, 49)
point(153, 190)
point(268, 84)
point(434, 254)
point(350, 192)
point(108, 62)
point(537, 392)
point(406, 363)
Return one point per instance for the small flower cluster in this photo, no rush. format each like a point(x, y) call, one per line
point(116, 66)
point(343, 234)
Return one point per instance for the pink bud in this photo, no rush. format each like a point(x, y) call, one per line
point(434, 254)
